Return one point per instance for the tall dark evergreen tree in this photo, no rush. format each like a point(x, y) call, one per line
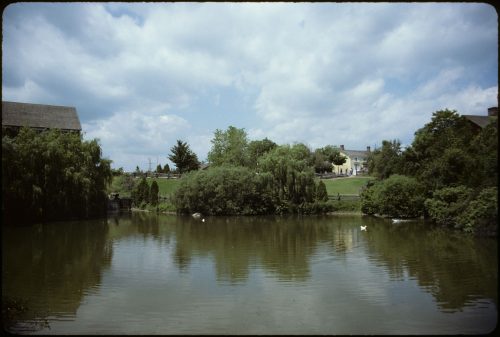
point(153, 193)
point(184, 159)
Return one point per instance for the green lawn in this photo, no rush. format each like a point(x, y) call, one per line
point(166, 186)
point(351, 185)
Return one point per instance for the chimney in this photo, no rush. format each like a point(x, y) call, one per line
point(493, 111)
point(368, 149)
point(342, 147)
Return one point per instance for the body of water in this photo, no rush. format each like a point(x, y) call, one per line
point(149, 274)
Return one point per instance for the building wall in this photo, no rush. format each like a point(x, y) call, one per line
point(349, 165)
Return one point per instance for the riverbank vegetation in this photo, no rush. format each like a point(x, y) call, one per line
point(250, 177)
point(448, 175)
point(342, 193)
point(52, 175)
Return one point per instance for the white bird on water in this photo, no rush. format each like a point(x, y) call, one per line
point(363, 228)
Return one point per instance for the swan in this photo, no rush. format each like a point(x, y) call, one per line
point(196, 215)
point(202, 220)
point(399, 220)
point(363, 228)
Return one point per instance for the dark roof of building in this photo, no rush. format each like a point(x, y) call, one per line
point(480, 121)
point(40, 116)
point(356, 154)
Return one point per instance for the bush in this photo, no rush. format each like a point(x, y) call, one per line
point(397, 196)
point(368, 202)
point(481, 215)
point(321, 193)
point(447, 204)
point(223, 191)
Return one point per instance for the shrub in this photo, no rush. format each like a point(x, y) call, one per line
point(321, 193)
point(368, 202)
point(397, 196)
point(223, 190)
point(447, 204)
point(481, 215)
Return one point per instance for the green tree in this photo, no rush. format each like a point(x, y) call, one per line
point(166, 169)
point(52, 175)
point(153, 193)
point(140, 195)
point(326, 156)
point(223, 190)
point(117, 172)
point(257, 148)
point(334, 156)
point(440, 154)
point(484, 156)
point(292, 177)
point(321, 162)
point(321, 193)
point(385, 161)
point(184, 159)
point(229, 148)
point(481, 215)
point(397, 196)
point(447, 204)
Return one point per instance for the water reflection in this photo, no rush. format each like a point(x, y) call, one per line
point(164, 261)
point(456, 269)
point(51, 267)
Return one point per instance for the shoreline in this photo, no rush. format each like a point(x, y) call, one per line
point(358, 213)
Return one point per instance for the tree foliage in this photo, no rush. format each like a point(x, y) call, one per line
point(52, 175)
point(321, 193)
point(184, 159)
point(397, 196)
point(257, 148)
point(223, 190)
point(153, 193)
point(384, 162)
point(229, 148)
point(455, 161)
point(140, 195)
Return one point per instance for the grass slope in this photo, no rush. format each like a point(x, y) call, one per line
point(351, 185)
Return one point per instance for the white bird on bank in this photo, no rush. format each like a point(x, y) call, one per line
point(363, 228)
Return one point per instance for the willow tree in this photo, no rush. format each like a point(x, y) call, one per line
point(52, 175)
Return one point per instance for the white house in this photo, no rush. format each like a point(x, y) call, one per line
point(355, 161)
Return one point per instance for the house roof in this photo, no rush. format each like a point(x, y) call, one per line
point(480, 121)
point(40, 116)
point(356, 154)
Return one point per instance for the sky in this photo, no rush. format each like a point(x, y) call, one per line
point(143, 75)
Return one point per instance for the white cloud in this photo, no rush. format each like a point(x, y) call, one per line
point(351, 74)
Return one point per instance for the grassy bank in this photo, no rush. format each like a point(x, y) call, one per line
point(350, 185)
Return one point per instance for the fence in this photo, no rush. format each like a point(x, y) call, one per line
point(344, 197)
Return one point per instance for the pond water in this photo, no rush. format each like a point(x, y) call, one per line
point(149, 274)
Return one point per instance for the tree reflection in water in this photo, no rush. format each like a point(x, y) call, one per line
point(284, 246)
point(50, 267)
point(53, 266)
